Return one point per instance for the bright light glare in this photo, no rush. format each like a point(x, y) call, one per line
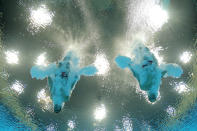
point(181, 87)
point(18, 87)
point(100, 113)
point(41, 17)
point(44, 99)
point(157, 16)
point(171, 111)
point(127, 124)
point(41, 60)
point(51, 127)
point(101, 64)
point(12, 57)
point(71, 124)
point(186, 57)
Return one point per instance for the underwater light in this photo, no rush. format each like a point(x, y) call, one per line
point(127, 124)
point(41, 17)
point(171, 111)
point(101, 64)
point(12, 57)
point(181, 87)
point(100, 113)
point(41, 60)
point(186, 57)
point(71, 124)
point(18, 87)
point(157, 16)
point(44, 99)
point(51, 127)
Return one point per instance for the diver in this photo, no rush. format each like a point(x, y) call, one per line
point(62, 78)
point(146, 69)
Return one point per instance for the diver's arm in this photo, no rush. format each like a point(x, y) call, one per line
point(171, 69)
point(41, 72)
point(88, 71)
point(123, 61)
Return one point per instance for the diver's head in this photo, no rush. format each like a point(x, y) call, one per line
point(152, 97)
point(57, 108)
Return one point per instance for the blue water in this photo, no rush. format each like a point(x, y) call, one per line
point(8, 122)
point(188, 123)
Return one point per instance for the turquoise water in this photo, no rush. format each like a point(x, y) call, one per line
point(9, 122)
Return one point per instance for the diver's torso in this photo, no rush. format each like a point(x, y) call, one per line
point(63, 78)
point(147, 73)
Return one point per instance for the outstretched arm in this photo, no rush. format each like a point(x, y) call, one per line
point(88, 71)
point(172, 70)
point(123, 61)
point(41, 72)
